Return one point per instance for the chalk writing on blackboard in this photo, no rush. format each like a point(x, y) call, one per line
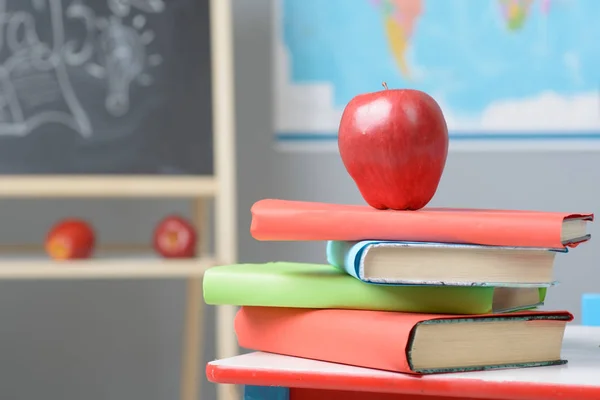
point(114, 51)
point(32, 76)
point(35, 88)
point(122, 8)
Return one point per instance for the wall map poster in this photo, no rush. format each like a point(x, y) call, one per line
point(509, 74)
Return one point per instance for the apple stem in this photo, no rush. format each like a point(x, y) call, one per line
point(384, 85)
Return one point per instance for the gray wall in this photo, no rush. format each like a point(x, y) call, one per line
point(121, 340)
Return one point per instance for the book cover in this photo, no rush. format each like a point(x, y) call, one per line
point(301, 285)
point(350, 257)
point(279, 220)
point(387, 340)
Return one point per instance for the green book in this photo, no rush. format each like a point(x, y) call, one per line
point(298, 285)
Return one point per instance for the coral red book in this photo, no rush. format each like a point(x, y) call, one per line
point(309, 221)
point(406, 342)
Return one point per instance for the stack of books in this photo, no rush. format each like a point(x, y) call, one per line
point(427, 291)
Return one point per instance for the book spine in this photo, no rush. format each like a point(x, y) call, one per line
point(361, 338)
point(321, 290)
point(306, 221)
point(339, 254)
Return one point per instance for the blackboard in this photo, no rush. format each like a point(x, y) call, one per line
point(105, 87)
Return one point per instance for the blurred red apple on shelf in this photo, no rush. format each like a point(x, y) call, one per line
point(394, 145)
point(70, 239)
point(175, 237)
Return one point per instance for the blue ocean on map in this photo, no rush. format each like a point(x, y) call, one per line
point(466, 53)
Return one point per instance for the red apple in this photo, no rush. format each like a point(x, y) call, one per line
point(175, 237)
point(70, 239)
point(394, 145)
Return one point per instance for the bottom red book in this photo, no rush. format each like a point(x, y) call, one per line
point(406, 342)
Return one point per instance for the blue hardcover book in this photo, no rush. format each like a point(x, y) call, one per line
point(417, 263)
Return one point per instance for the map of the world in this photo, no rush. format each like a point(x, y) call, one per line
point(503, 71)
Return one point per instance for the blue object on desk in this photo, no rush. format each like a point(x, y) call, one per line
point(266, 393)
point(590, 309)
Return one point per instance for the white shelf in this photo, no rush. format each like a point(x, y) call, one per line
point(115, 268)
point(53, 186)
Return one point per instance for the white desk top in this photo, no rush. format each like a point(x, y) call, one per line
point(582, 373)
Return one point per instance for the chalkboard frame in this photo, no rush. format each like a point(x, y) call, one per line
point(220, 187)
